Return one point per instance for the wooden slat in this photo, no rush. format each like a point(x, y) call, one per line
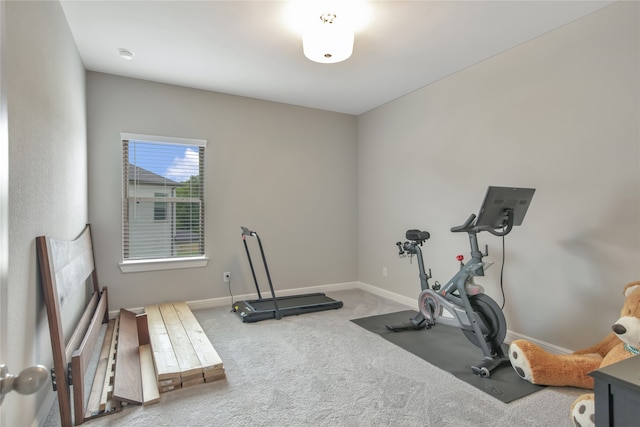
point(143, 329)
point(199, 380)
point(205, 351)
point(215, 378)
point(214, 373)
point(188, 378)
point(82, 356)
point(185, 354)
point(170, 381)
point(105, 395)
point(164, 389)
point(93, 404)
point(78, 334)
point(150, 391)
point(197, 359)
point(127, 384)
point(165, 359)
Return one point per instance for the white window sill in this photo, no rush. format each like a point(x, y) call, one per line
point(162, 264)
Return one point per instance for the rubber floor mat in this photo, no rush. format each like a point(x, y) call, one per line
point(448, 349)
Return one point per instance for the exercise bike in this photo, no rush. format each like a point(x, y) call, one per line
point(467, 306)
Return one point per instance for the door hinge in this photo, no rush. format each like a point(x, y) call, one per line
point(69, 376)
point(54, 384)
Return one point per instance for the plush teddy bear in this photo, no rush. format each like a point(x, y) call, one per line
point(538, 366)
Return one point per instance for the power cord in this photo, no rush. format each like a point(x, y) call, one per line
point(230, 293)
point(504, 300)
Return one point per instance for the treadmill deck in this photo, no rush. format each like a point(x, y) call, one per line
point(262, 309)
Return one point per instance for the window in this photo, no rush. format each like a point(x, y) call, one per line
point(160, 208)
point(163, 200)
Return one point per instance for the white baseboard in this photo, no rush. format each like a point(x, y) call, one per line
point(412, 303)
point(401, 299)
point(551, 348)
point(409, 302)
point(45, 408)
point(226, 301)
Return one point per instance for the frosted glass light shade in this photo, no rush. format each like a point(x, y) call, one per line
point(327, 43)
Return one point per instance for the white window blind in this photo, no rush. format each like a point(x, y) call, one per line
point(163, 197)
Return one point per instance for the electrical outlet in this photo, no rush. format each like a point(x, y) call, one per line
point(226, 277)
point(384, 272)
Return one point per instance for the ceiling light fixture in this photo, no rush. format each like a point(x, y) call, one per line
point(327, 26)
point(328, 41)
point(126, 54)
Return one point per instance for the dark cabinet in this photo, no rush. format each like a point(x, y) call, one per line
point(617, 394)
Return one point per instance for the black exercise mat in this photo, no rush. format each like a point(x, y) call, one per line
point(448, 349)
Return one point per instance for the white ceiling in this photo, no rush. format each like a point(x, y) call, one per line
point(244, 47)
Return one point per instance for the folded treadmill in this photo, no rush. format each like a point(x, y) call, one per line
point(277, 307)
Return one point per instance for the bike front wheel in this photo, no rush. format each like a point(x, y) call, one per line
point(493, 317)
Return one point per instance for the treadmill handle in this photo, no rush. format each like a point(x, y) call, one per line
point(247, 232)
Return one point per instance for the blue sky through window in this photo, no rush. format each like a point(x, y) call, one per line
point(176, 162)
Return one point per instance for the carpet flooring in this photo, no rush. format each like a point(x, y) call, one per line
point(322, 370)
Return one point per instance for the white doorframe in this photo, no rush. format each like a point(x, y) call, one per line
point(4, 199)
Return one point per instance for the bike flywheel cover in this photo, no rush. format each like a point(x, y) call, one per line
point(429, 305)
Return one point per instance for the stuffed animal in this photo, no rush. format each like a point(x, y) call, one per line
point(538, 366)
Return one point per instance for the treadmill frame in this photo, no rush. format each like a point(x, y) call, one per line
point(277, 307)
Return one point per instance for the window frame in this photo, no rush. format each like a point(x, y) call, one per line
point(160, 208)
point(161, 263)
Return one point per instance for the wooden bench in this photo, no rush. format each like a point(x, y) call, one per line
point(137, 359)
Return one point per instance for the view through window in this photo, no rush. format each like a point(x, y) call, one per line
point(163, 197)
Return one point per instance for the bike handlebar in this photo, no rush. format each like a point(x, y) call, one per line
point(506, 226)
point(247, 232)
point(468, 226)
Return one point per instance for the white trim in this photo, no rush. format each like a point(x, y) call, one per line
point(412, 303)
point(45, 408)
point(383, 293)
point(135, 266)
point(409, 302)
point(126, 136)
point(512, 336)
point(226, 301)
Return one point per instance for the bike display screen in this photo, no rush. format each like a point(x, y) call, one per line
point(498, 200)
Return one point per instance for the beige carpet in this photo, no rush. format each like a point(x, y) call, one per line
point(321, 369)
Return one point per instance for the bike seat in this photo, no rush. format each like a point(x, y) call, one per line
point(417, 235)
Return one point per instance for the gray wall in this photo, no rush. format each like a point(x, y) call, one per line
point(330, 194)
point(560, 114)
point(47, 175)
point(287, 172)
